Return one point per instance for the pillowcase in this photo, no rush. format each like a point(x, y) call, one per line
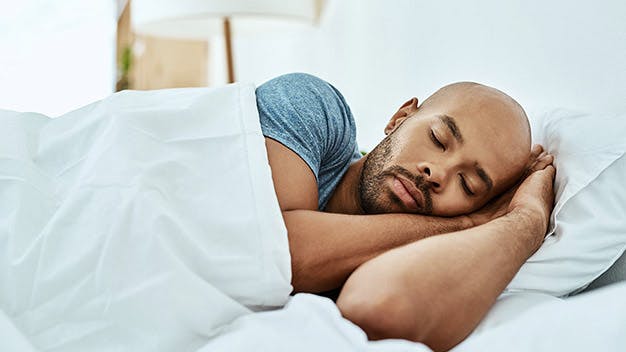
point(540, 323)
point(616, 273)
point(587, 232)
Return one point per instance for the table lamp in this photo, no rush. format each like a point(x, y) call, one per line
point(198, 19)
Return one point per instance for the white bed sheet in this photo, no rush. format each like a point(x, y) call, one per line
point(594, 321)
point(522, 322)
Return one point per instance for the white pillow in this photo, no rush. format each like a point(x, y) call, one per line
point(526, 322)
point(587, 231)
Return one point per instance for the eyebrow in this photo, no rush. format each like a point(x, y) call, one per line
point(454, 129)
point(483, 176)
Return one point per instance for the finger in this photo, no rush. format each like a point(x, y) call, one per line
point(548, 158)
point(542, 162)
point(536, 150)
point(552, 173)
point(547, 171)
point(536, 159)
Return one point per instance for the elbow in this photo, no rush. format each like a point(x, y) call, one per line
point(381, 315)
point(312, 274)
point(308, 276)
point(387, 313)
point(300, 280)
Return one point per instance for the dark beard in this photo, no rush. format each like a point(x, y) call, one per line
point(373, 176)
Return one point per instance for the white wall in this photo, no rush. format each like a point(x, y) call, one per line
point(56, 55)
point(381, 52)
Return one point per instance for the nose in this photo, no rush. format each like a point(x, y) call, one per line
point(433, 175)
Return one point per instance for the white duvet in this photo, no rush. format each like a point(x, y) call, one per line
point(142, 222)
point(148, 222)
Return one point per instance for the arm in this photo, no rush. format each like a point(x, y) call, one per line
point(326, 247)
point(437, 290)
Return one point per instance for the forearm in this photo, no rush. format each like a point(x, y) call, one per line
point(326, 248)
point(437, 290)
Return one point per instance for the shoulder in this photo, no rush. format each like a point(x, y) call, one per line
point(294, 80)
point(309, 117)
point(303, 92)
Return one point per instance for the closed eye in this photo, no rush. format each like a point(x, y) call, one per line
point(436, 141)
point(466, 188)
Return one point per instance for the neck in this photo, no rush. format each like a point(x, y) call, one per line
point(345, 198)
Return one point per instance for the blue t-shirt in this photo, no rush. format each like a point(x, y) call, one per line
point(310, 117)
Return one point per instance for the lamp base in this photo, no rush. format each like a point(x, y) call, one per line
point(229, 50)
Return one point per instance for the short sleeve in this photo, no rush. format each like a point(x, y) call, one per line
point(310, 117)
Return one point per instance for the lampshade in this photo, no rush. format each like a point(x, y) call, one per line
point(198, 19)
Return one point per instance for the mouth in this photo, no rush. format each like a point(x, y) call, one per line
point(408, 193)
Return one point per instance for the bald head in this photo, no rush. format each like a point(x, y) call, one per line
point(493, 115)
point(461, 147)
point(467, 95)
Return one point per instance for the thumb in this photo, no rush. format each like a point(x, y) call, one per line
point(550, 170)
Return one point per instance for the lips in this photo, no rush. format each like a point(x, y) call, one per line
point(413, 191)
point(408, 193)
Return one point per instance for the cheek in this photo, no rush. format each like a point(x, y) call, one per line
point(414, 153)
point(409, 149)
point(452, 204)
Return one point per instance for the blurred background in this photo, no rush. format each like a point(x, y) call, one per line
point(58, 55)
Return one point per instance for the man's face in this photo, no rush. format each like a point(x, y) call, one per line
point(444, 161)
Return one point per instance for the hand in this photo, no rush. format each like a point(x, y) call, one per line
point(539, 160)
point(533, 202)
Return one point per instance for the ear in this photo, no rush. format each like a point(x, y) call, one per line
point(406, 110)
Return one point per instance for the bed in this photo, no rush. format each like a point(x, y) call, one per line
point(124, 229)
point(117, 233)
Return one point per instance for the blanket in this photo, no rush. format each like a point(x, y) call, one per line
point(144, 221)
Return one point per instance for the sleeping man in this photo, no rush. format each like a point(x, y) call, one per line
point(426, 230)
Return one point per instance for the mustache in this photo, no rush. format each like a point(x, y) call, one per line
point(417, 180)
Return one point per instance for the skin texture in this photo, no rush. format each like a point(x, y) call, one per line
point(440, 159)
point(438, 289)
point(427, 269)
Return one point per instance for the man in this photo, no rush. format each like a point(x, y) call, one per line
point(436, 173)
